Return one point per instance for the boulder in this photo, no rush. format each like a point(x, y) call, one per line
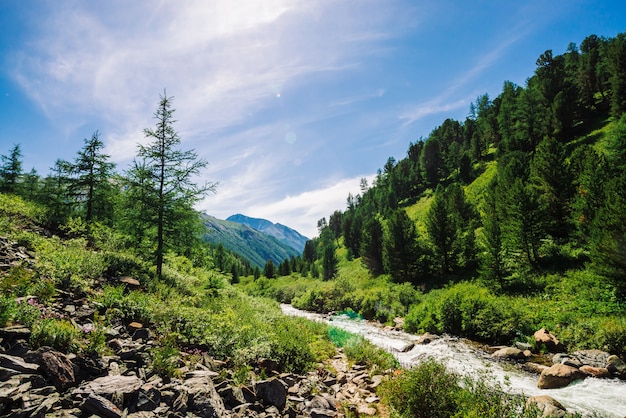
point(203, 398)
point(130, 281)
point(107, 386)
point(101, 407)
point(558, 376)
point(549, 406)
point(58, 368)
point(593, 358)
point(599, 372)
point(17, 364)
point(509, 353)
point(616, 366)
point(544, 338)
point(272, 392)
point(426, 338)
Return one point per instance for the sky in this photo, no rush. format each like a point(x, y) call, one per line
point(291, 102)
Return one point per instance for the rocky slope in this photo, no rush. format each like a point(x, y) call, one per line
point(123, 383)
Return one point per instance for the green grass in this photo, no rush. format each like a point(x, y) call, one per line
point(417, 212)
point(475, 190)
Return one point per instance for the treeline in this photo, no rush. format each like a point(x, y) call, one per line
point(147, 208)
point(556, 196)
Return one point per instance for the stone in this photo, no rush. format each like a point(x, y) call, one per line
point(319, 402)
point(426, 338)
point(523, 346)
point(616, 366)
point(130, 281)
point(18, 364)
point(544, 338)
point(232, 396)
point(593, 358)
point(101, 406)
point(58, 368)
point(558, 376)
point(509, 353)
point(533, 367)
point(272, 392)
point(406, 348)
point(203, 398)
point(142, 334)
point(322, 413)
point(599, 372)
point(108, 385)
point(549, 406)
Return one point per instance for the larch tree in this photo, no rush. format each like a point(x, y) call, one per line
point(171, 171)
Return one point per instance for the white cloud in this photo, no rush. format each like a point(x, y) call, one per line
point(300, 211)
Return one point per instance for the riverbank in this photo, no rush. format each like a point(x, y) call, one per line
point(587, 397)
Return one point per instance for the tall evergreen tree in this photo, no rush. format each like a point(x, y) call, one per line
point(372, 245)
point(11, 170)
point(402, 253)
point(91, 185)
point(520, 206)
point(442, 231)
point(171, 172)
point(492, 261)
point(551, 177)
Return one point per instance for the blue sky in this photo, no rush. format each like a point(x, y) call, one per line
point(290, 101)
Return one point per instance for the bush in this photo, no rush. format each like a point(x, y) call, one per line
point(361, 351)
point(428, 390)
point(7, 309)
point(58, 334)
point(466, 310)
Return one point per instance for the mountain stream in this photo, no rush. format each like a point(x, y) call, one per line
point(589, 397)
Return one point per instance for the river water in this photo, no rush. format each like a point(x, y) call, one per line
point(590, 397)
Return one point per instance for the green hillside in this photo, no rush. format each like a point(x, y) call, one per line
point(255, 246)
point(508, 221)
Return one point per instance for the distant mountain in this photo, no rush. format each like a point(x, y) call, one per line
point(282, 233)
point(256, 246)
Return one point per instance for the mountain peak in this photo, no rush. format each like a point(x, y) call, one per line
point(282, 233)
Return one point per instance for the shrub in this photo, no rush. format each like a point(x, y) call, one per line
point(96, 338)
point(467, 310)
point(166, 359)
point(58, 334)
point(7, 309)
point(361, 351)
point(428, 390)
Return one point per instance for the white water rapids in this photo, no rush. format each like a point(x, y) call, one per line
point(589, 397)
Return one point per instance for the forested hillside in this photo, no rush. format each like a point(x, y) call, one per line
point(525, 197)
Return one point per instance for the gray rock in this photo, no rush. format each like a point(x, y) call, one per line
point(18, 364)
point(108, 385)
point(593, 358)
point(203, 398)
point(272, 392)
point(323, 413)
point(101, 406)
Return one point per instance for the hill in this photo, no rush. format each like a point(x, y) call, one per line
point(283, 233)
point(256, 246)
